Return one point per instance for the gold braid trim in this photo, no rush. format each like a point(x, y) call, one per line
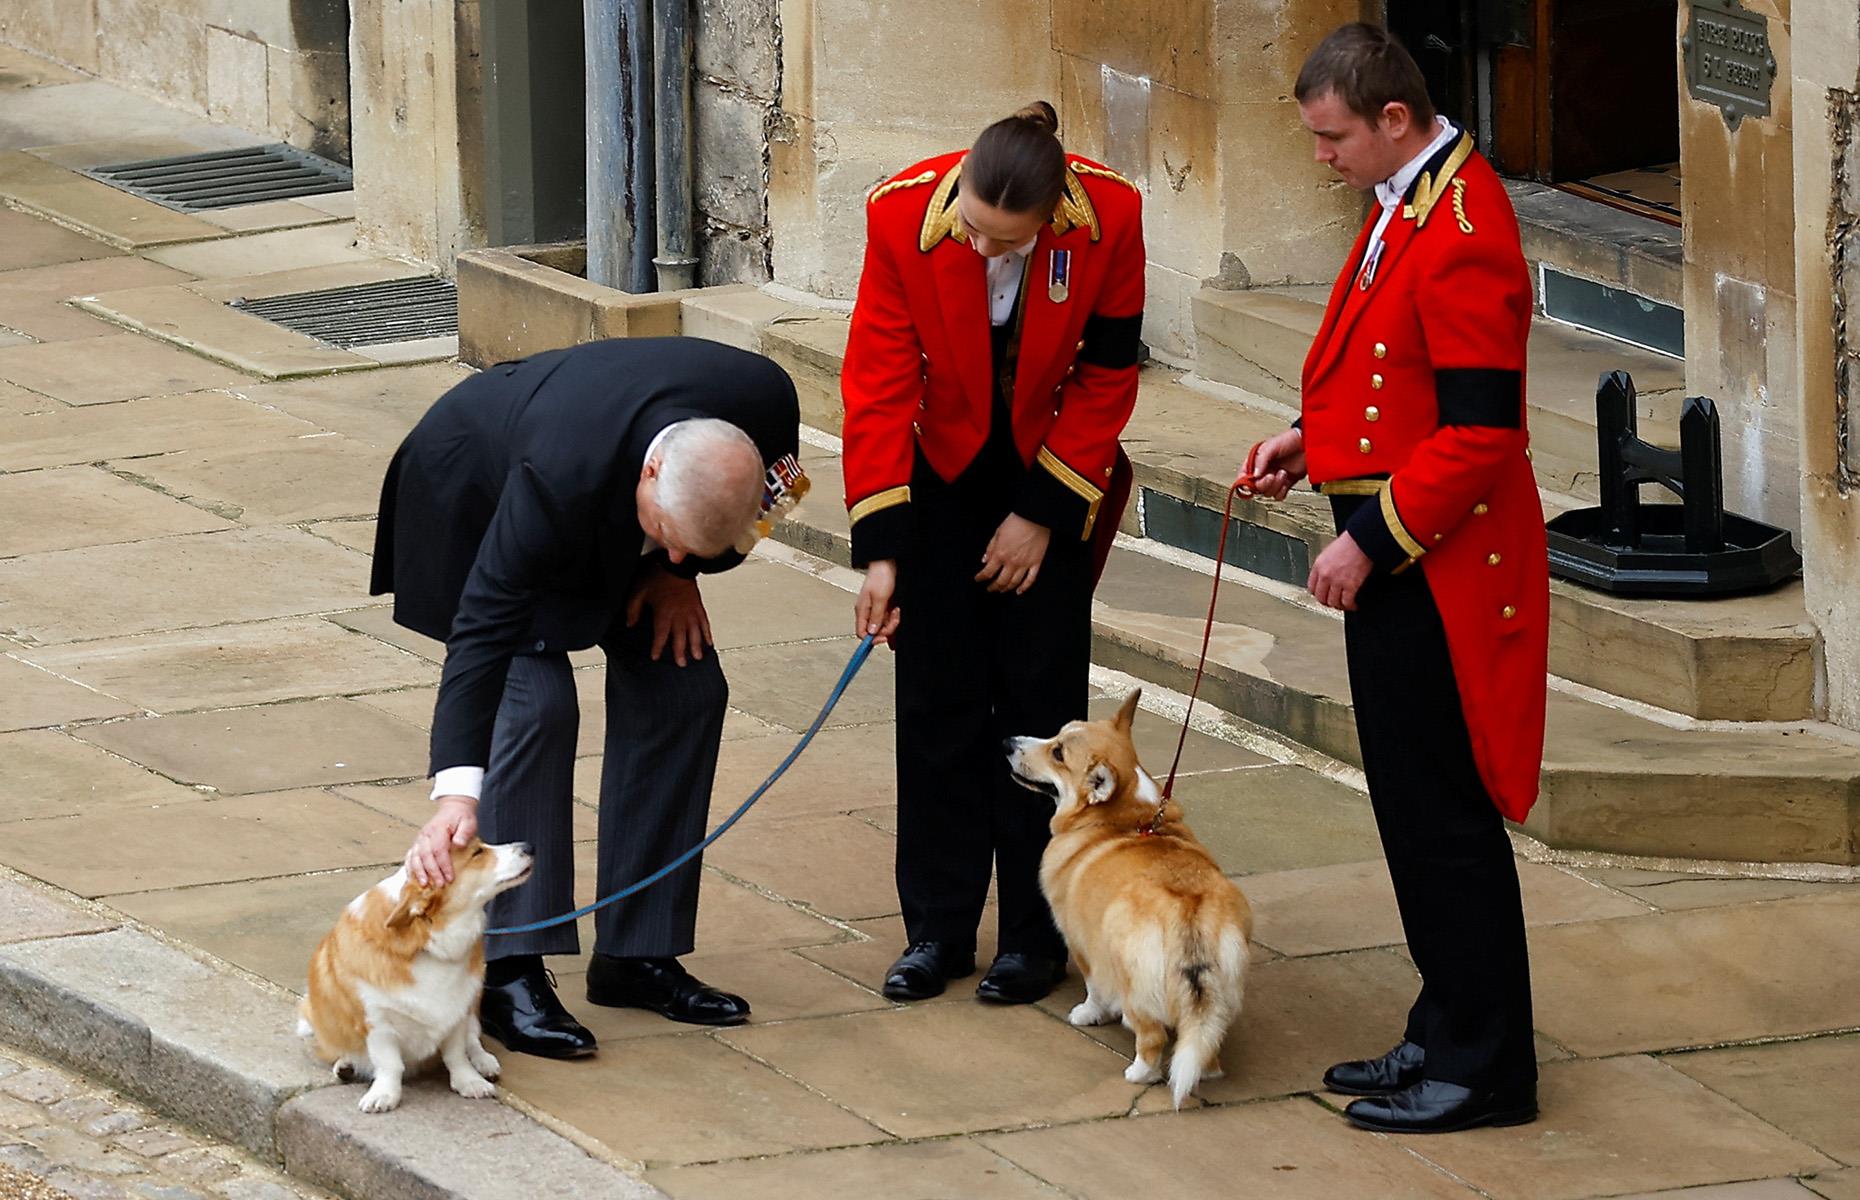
point(1075, 210)
point(1403, 538)
point(1076, 483)
point(879, 193)
point(1353, 487)
point(1102, 173)
point(879, 501)
point(1429, 191)
point(940, 218)
point(1459, 206)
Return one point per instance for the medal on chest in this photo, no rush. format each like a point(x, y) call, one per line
point(1059, 276)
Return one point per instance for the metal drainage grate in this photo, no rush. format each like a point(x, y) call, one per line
point(368, 314)
point(223, 178)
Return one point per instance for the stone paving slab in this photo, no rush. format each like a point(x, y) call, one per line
point(842, 770)
point(1671, 891)
point(266, 216)
point(787, 684)
point(1758, 1189)
point(1720, 975)
point(865, 961)
point(35, 698)
point(1352, 905)
point(33, 301)
point(210, 1049)
point(1835, 1185)
point(374, 407)
point(264, 253)
point(52, 774)
point(1278, 818)
point(959, 1167)
point(357, 535)
point(182, 582)
point(29, 241)
point(412, 803)
point(1290, 1149)
point(122, 366)
point(123, 220)
point(73, 507)
point(682, 1099)
point(306, 743)
point(913, 1072)
point(205, 841)
point(1809, 1089)
point(312, 477)
point(437, 1146)
point(156, 426)
point(80, 109)
point(29, 913)
point(264, 662)
point(1616, 1125)
point(17, 401)
point(835, 865)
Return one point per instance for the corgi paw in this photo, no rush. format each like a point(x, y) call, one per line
point(1090, 1012)
point(380, 1098)
point(1142, 1072)
point(1213, 1072)
point(303, 1028)
point(483, 1061)
point(473, 1087)
point(348, 1070)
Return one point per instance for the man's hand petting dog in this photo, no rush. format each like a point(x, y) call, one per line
point(678, 617)
point(453, 823)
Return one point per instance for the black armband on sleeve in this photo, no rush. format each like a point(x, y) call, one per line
point(1480, 396)
point(1112, 341)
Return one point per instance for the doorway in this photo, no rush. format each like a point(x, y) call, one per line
point(1581, 94)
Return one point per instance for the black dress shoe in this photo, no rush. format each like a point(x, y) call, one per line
point(662, 985)
point(924, 968)
point(1020, 979)
point(1399, 1068)
point(1431, 1106)
point(524, 1014)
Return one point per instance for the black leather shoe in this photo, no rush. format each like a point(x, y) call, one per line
point(1431, 1106)
point(1020, 979)
point(525, 1015)
point(1399, 1068)
point(925, 968)
point(661, 985)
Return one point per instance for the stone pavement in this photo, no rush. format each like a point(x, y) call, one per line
point(210, 730)
point(81, 1141)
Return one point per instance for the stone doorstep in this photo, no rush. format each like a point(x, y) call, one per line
point(195, 316)
point(205, 1045)
point(1750, 658)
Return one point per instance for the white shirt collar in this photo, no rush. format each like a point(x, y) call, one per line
point(1389, 193)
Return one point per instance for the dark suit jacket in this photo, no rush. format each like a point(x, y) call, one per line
point(508, 517)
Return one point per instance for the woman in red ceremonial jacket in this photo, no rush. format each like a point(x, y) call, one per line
point(992, 365)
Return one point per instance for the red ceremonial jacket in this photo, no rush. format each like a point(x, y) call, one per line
point(1414, 391)
point(918, 370)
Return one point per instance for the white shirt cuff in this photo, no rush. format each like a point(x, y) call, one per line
point(459, 781)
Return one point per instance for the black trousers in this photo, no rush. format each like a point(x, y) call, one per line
point(975, 667)
point(1449, 859)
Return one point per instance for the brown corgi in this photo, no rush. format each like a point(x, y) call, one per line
point(396, 982)
point(1158, 932)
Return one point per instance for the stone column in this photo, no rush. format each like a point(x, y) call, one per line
point(1826, 100)
point(417, 127)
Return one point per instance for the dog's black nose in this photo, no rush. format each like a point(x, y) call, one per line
point(523, 848)
point(1007, 745)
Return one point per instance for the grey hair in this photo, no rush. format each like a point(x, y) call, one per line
point(710, 483)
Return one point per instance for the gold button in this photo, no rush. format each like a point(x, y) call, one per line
point(1508, 612)
point(917, 429)
point(1479, 510)
point(1372, 414)
point(1492, 560)
point(1381, 350)
point(1439, 536)
point(1527, 454)
point(1375, 381)
point(1107, 472)
point(1364, 446)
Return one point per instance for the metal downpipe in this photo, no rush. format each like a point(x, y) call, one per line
point(672, 29)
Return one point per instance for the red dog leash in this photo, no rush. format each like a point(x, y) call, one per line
point(1243, 487)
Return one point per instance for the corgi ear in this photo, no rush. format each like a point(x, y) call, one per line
point(1100, 783)
point(414, 901)
point(1128, 713)
point(1147, 791)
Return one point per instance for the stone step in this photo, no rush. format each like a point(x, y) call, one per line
point(1256, 340)
point(1614, 780)
point(1750, 658)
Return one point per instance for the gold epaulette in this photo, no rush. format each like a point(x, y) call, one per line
point(1429, 191)
point(883, 190)
point(1084, 168)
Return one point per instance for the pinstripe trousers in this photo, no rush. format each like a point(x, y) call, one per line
point(664, 727)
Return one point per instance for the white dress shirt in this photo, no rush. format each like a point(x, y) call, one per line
point(1004, 275)
point(1390, 191)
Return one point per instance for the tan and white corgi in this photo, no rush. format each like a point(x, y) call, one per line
point(396, 983)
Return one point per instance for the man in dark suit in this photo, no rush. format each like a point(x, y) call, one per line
point(545, 506)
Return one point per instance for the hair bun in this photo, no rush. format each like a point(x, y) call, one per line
point(1042, 114)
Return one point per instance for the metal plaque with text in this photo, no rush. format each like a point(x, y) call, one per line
point(1729, 60)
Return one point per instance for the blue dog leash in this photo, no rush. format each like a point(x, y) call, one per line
point(833, 698)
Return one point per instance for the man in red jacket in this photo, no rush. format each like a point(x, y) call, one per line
point(1413, 424)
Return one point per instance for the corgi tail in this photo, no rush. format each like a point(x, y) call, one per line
point(1209, 993)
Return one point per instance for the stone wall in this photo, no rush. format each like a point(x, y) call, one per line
point(738, 81)
point(275, 67)
point(1738, 205)
point(1190, 98)
point(1826, 181)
